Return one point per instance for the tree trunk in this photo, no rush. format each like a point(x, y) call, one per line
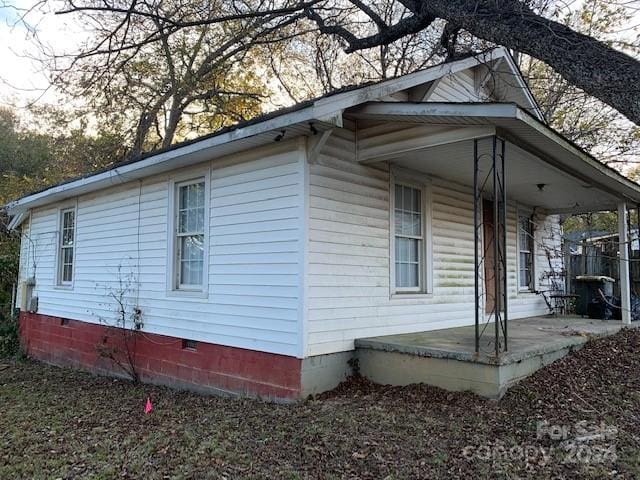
point(175, 114)
point(589, 64)
point(142, 130)
point(145, 123)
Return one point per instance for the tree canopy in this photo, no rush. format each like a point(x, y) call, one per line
point(592, 65)
point(31, 159)
point(161, 71)
point(156, 72)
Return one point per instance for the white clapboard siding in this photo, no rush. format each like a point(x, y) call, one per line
point(255, 239)
point(458, 87)
point(25, 265)
point(348, 255)
point(527, 304)
point(548, 254)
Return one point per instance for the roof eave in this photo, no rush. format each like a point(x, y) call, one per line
point(522, 84)
point(190, 154)
point(16, 221)
point(632, 192)
point(325, 110)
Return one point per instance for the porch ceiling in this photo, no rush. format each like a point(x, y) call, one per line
point(523, 173)
point(535, 155)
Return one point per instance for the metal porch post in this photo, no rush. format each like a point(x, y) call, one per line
point(499, 246)
point(623, 248)
point(495, 184)
point(497, 239)
point(503, 222)
point(476, 243)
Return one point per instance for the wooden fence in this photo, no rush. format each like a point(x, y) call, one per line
point(597, 261)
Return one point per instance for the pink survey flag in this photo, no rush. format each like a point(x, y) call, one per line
point(148, 407)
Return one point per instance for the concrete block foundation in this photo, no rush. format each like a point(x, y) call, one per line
point(163, 360)
point(485, 379)
point(447, 358)
point(443, 358)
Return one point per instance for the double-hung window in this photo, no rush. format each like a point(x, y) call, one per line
point(66, 247)
point(409, 238)
point(190, 235)
point(525, 253)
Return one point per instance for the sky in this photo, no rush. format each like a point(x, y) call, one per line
point(22, 79)
point(16, 72)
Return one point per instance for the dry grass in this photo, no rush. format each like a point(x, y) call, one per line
point(58, 423)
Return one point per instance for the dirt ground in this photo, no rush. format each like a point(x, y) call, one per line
point(577, 418)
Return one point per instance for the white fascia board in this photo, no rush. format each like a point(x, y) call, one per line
point(341, 101)
point(615, 181)
point(445, 109)
point(535, 108)
point(608, 179)
point(138, 169)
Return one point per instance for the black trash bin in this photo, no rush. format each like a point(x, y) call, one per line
point(587, 287)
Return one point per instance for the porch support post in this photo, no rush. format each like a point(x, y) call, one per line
point(500, 245)
point(497, 239)
point(476, 242)
point(490, 251)
point(503, 222)
point(623, 248)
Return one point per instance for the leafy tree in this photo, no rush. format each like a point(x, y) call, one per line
point(594, 66)
point(594, 125)
point(308, 65)
point(592, 223)
point(33, 159)
point(185, 83)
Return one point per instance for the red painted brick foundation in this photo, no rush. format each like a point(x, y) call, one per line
point(162, 360)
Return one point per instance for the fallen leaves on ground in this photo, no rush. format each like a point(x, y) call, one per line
point(60, 423)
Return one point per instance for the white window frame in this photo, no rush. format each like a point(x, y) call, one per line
point(173, 286)
point(421, 182)
point(531, 287)
point(59, 282)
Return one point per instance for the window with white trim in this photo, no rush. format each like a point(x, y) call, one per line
point(190, 235)
point(409, 227)
point(66, 247)
point(525, 253)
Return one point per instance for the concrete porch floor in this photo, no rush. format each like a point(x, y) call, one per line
point(447, 359)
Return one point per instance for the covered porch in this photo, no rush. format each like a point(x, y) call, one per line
point(510, 161)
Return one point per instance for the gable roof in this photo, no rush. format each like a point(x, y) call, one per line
point(305, 118)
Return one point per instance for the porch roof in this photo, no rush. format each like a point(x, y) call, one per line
point(542, 167)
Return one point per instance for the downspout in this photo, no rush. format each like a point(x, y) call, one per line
point(13, 296)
